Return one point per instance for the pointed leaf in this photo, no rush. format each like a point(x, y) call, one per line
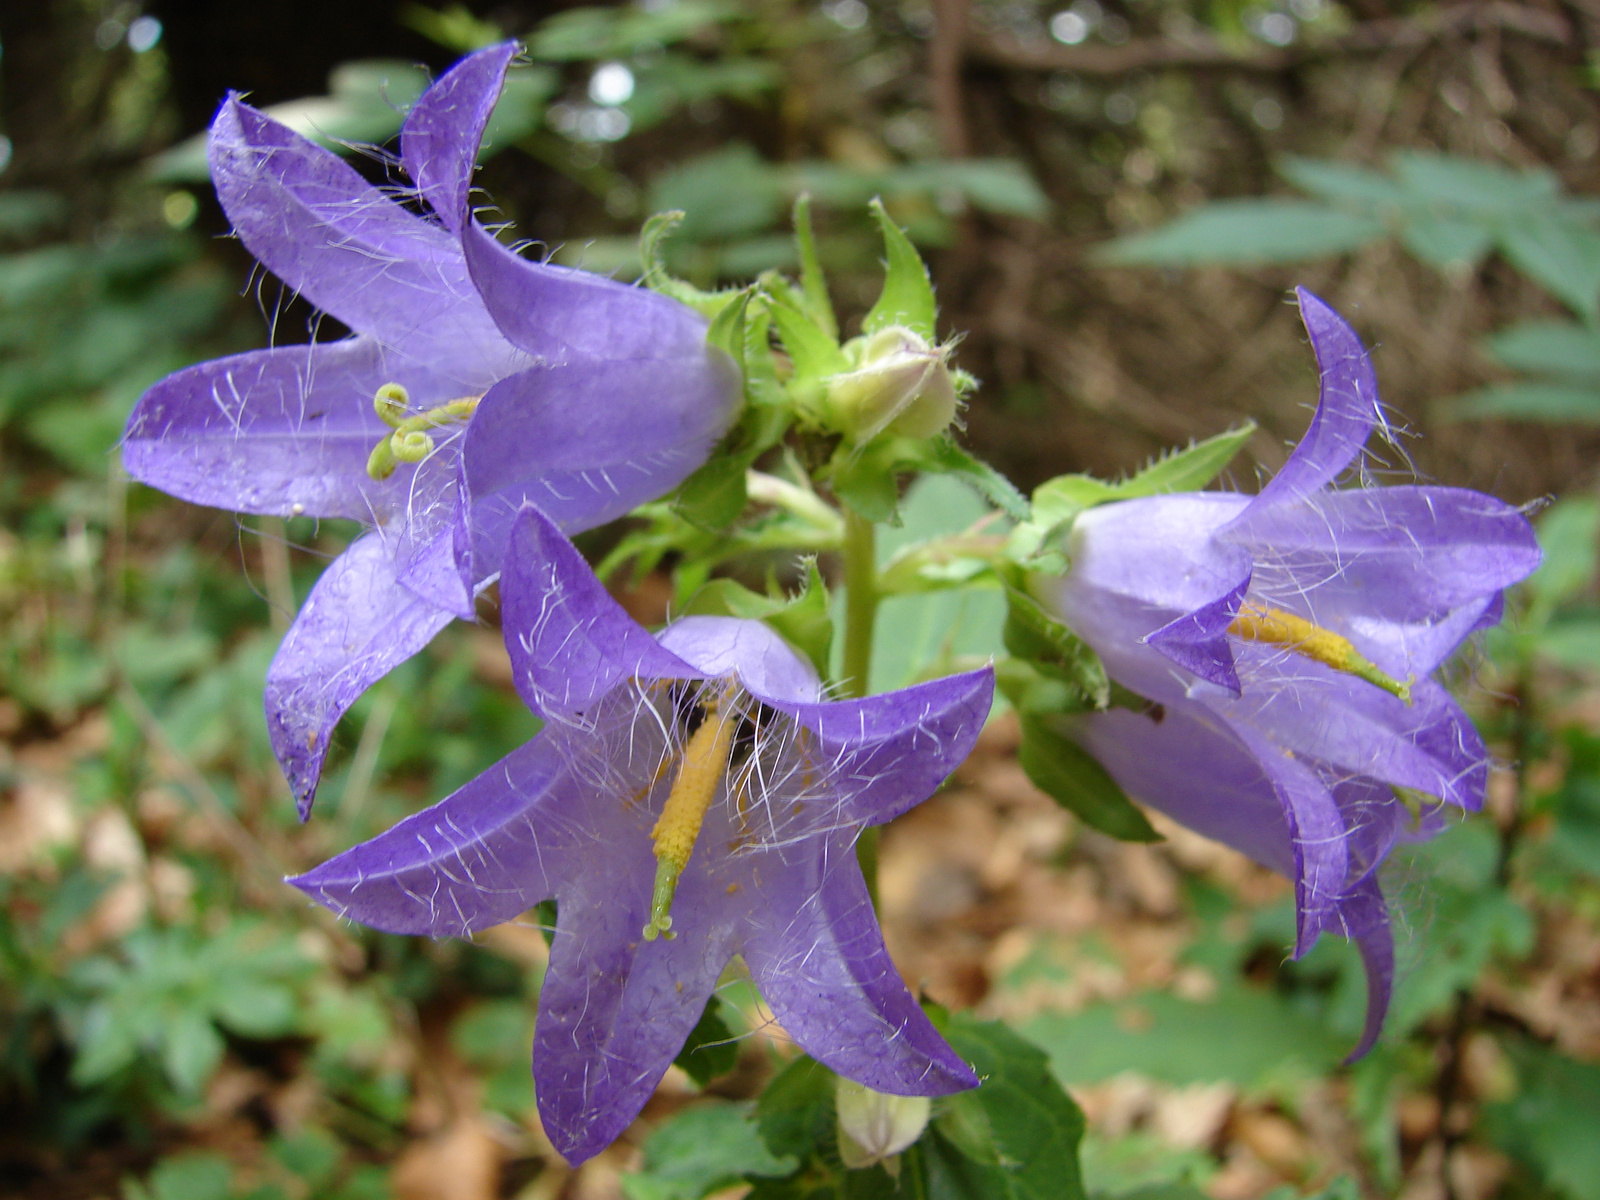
point(1065, 771)
point(812, 281)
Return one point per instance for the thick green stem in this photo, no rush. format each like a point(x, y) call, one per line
point(860, 602)
point(860, 614)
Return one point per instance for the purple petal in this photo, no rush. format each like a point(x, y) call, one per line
point(614, 1009)
point(1184, 760)
point(765, 664)
point(1347, 408)
point(439, 141)
point(357, 625)
point(475, 859)
point(1364, 919)
point(281, 432)
point(563, 315)
point(318, 226)
point(433, 544)
point(1410, 557)
point(570, 642)
point(819, 961)
point(1312, 711)
point(588, 442)
point(882, 755)
point(1316, 835)
point(1198, 641)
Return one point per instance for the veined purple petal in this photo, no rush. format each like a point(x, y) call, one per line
point(1198, 641)
point(570, 642)
point(1346, 410)
point(1187, 762)
point(432, 544)
point(614, 1009)
point(766, 665)
point(485, 854)
point(280, 432)
point(1364, 919)
point(357, 625)
point(1313, 711)
point(885, 754)
point(1316, 836)
point(589, 441)
point(439, 141)
point(351, 251)
point(563, 315)
point(821, 966)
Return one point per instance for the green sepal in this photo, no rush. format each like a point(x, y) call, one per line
point(657, 278)
point(1067, 772)
point(711, 1050)
point(943, 456)
point(1057, 501)
point(715, 496)
point(866, 479)
point(812, 282)
point(813, 349)
point(1034, 636)
point(907, 297)
point(802, 620)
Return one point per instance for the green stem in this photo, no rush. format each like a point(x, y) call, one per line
point(860, 614)
point(860, 601)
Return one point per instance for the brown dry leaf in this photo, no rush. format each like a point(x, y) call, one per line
point(38, 818)
point(460, 1163)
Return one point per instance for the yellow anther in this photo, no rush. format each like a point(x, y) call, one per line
point(704, 765)
point(390, 402)
point(410, 441)
point(1277, 627)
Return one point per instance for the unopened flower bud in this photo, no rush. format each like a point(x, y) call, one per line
point(875, 1126)
point(903, 385)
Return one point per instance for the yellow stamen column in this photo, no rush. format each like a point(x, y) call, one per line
point(1277, 627)
point(705, 764)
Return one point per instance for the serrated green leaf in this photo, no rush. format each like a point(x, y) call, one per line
point(1548, 348)
point(1560, 254)
point(191, 1049)
point(1243, 1035)
point(257, 1009)
point(944, 456)
point(1569, 535)
point(795, 1112)
point(1245, 231)
point(1447, 243)
point(907, 296)
point(1069, 774)
point(1034, 636)
point(657, 278)
point(1470, 185)
point(711, 1050)
point(701, 1149)
point(1341, 181)
point(1549, 1122)
point(1189, 469)
point(1529, 400)
point(1033, 1127)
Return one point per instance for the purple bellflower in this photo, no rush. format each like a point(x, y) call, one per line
point(1284, 642)
point(474, 381)
point(691, 797)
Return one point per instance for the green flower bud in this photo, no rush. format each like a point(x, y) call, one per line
point(874, 1126)
point(902, 385)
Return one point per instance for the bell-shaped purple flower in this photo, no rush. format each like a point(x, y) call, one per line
point(1284, 642)
point(474, 381)
point(691, 797)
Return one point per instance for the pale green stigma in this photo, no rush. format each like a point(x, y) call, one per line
point(410, 442)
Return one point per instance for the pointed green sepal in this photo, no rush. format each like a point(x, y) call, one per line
point(907, 297)
point(812, 283)
point(657, 278)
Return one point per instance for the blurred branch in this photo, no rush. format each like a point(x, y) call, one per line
point(951, 36)
point(1204, 51)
